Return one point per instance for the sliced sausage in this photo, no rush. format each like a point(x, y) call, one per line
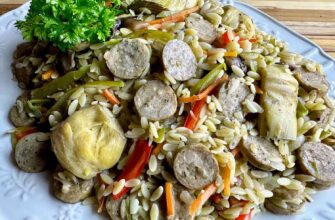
point(195, 167)
point(32, 152)
point(23, 49)
point(18, 116)
point(287, 194)
point(129, 59)
point(261, 153)
point(155, 101)
point(276, 209)
point(311, 80)
point(231, 96)
point(317, 159)
point(205, 30)
point(237, 61)
point(183, 197)
point(179, 60)
point(113, 208)
point(326, 119)
point(70, 189)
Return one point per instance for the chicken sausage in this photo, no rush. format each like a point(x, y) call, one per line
point(195, 167)
point(179, 60)
point(129, 59)
point(155, 101)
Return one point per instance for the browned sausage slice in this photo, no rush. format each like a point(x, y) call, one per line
point(231, 96)
point(179, 60)
point(156, 101)
point(205, 30)
point(195, 167)
point(287, 194)
point(71, 189)
point(317, 159)
point(311, 80)
point(261, 153)
point(129, 59)
point(289, 210)
point(32, 152)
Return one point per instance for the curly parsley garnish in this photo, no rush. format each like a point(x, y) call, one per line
point(67, 23)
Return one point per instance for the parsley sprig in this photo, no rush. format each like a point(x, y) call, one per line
point(67, 23)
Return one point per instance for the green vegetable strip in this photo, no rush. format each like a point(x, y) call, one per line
point(60, 83)
point(207, 80)
point(67, 23)
point(301, 110)
point(61, 102)
point(160, 137)
point(104, 84)
point(152, 34)
point(101, 84)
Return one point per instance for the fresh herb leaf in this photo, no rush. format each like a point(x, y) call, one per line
point(66, 23)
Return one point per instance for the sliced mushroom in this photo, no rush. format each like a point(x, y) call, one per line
point(23, 49)
point(317, 159)
point(205, 30)
point(195, 167)
point(67, 61)
point(261, 153)
point(24, 72)
point(179, 60)
point(129, 59)
point(33, 152)
point(156, 101)
point(70, 189)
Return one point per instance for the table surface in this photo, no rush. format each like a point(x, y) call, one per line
point(314, 19)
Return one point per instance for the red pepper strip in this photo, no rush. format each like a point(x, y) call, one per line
point(193, 117)
point(244, 217)
point(135, 164)
point(224, 39)
point(19, 134)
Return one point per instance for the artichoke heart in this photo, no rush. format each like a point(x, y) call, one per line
point(279, 100)
point(157, 6)
point(241, 23)
point(88, 141)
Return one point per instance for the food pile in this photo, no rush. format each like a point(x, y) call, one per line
point(169, 110)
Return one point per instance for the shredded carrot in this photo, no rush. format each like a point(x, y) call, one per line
point(201, 199)
point(178, 17)
point(230, 54)
point(258, 90)
point(47, 75)
point(111, 97)
point(169, 200)
point(204, 93)
point(225, 174)
point(158, 148)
